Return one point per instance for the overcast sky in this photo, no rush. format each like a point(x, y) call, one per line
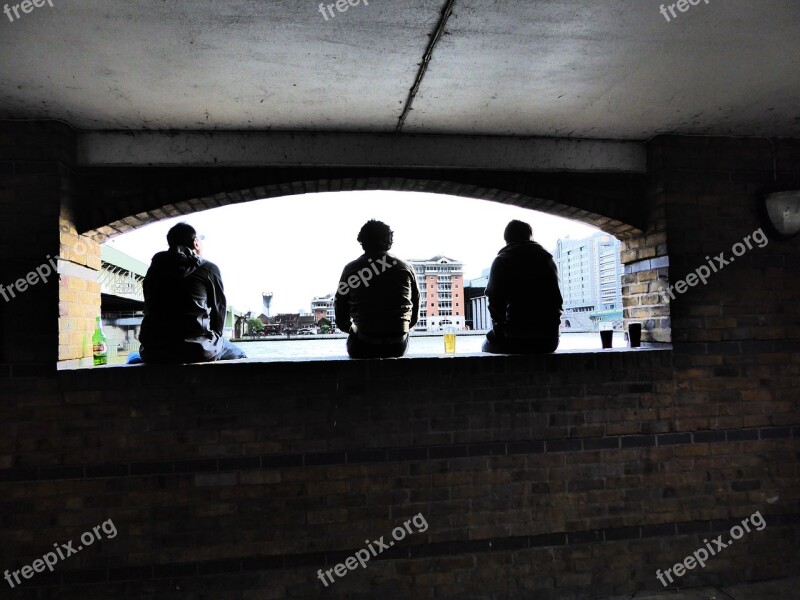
point(296, 246)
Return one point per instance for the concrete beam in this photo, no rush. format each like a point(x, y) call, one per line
point(284, 149)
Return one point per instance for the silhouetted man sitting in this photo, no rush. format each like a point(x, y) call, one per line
point(184, 305)
point(524, 300)
point(377, 301)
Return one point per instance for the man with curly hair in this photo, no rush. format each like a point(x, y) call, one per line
point(377, 301)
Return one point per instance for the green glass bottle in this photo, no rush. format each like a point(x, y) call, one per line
point(99, 344)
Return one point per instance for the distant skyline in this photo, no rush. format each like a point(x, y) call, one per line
point(297, 246)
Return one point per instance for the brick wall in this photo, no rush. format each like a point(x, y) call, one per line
point(736, 337)
point(34, 180)
point(79, 292)
point(117, 200)
point(575, 475)
point(552, 476)
point(645, 260)
point(39, 245)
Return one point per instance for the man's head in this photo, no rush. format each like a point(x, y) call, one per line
point(375, 236)
point(517, 231)
point(184, 234)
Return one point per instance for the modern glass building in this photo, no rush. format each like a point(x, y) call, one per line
point(589, 273)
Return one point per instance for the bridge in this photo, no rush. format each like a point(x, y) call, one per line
point(121, 279)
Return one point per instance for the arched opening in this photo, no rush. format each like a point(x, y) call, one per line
point(313, 223)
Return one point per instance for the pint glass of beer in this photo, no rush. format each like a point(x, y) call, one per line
point(450, 340)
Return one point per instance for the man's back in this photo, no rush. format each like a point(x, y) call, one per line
point(524, 297)
point(378, 291)
point(184, 308)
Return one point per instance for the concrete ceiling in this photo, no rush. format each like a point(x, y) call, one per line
point(569, 68)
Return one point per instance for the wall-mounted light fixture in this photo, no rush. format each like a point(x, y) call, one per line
point(781, 211)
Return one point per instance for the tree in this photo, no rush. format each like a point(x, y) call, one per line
point(325, 325)
point(254, 325)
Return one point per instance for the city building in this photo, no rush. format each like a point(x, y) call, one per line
point(322, 308)
point(477, 303)
point(441, 290)
point(292, 322)
point(589, 274)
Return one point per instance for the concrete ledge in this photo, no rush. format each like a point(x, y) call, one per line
point(295, 149)
point(84, 364)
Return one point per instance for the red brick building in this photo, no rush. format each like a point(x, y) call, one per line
point(441, 288)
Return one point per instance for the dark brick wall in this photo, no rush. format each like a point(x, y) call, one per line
point(575, 475)
point(561, 475)
point(35, 181)
point(737, 337)
point(118, 200)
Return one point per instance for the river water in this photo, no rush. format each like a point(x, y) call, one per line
point(417, 346)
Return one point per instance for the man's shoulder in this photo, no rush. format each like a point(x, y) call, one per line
point(385, 260)
point(522, 250)
point(355, 264)
point(210, 267)
point(541, 250)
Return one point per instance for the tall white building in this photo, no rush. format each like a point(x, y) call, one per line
point(590, 273)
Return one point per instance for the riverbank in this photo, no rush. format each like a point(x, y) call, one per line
point(330, 346)
point(342, 336)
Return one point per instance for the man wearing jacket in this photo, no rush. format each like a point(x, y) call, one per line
point(377, 301)
point(524, 299)
point(185, 305)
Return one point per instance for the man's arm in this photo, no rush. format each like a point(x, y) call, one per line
point(557, 298)
point(341, 304)
point(496, 292)
point(217, 302)
point(414, 300)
